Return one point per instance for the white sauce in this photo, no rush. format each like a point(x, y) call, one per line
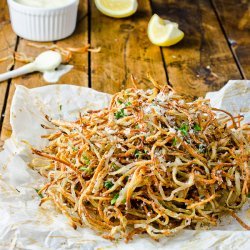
point(44, 3)
point(54, 75)
point(49, 63)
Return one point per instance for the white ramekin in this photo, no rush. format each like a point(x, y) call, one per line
point(43, 24)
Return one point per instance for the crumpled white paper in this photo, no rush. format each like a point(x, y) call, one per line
point(25, 225)
point(233, 97)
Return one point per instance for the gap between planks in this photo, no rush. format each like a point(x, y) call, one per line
point(89, 41)
point(8, 42)
point(7, 89)
point(161, 50)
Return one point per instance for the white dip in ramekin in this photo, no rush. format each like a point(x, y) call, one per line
point(43, 20)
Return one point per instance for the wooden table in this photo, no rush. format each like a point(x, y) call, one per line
point(216, 48)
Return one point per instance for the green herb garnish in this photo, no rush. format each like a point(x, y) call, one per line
point(119, 114)
point(128, 104)
point(60, 107)
point(85, 169)
point(40, 195)
point(248, 195)
point(108, 184)
point(113, 201)
point(114, 166)
point(174, 142)
point(197, 127)
point(184, 129)
point(137, 127)
point(137, 153)
point(75, 149)
point(119, 101)
point(86, 159)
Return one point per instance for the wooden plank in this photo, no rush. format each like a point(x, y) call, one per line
point(235, 18)
point(7, 46)
point(78, 75)
point(125, 50)
point(202, 61)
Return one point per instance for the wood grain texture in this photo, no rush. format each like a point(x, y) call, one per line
point(202, 61)
point(125, 50)
point(7, 46)
point(235, 18)
point(78, 75)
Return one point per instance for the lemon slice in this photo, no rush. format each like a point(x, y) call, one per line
point(117, 8)
point(163, 32)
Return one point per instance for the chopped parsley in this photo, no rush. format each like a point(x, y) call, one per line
point(40, 195)
point(128, 104)
point(184, 129)
point(137, 127)
point(174, 142)
point(139, 153)
point(60, 107)
point(119, 114)
point(119, 101)
point(113, 201)
point(197, 127)
point(75, 149)
point(86, 159)
point(108, 184)
point(85, 169)
point(114, 166)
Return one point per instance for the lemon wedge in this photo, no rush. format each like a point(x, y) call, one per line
point(163, 32)
point(117, 8)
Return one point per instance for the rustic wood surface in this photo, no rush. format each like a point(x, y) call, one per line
point(215, 49)
point(125, 50)
point(202, 61)
point(78, 76)
point(234, 16)
point(8, 42)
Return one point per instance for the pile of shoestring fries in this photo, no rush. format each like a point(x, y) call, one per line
point(151, 162)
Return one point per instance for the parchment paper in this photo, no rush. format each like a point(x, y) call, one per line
point(25, 225)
